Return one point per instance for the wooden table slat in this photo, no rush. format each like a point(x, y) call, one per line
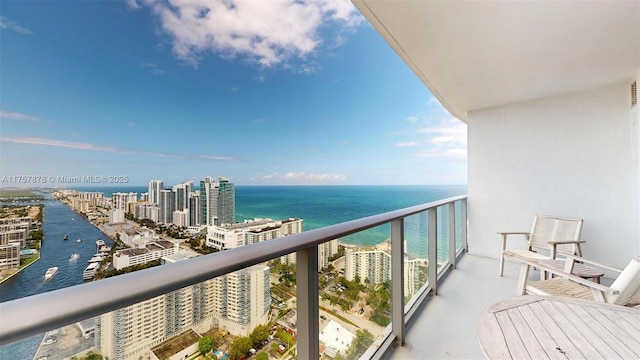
point(565, 344)
point(567, 328)
point(601, 333)
point(529, 340)
point(625, 321)
point(511, 336)
point(539, 327)
point(616, 328)
point(492, 337)
point(559, 347)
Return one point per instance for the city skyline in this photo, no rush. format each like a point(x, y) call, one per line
point(284, 93)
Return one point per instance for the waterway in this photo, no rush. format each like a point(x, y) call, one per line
point(58, 221)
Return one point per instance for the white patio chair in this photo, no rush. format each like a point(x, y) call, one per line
point(549, 236)
point(620, 292)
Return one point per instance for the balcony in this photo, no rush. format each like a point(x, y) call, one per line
point(443, 237)
point(553, 128)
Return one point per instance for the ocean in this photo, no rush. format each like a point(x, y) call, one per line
point(318, 206)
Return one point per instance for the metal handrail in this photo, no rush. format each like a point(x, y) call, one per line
point(37, 314)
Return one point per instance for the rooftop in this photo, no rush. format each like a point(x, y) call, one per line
point(176, 344)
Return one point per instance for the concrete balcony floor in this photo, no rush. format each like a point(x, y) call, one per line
point(445, 328)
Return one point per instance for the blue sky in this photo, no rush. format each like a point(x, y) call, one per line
point(262, 92)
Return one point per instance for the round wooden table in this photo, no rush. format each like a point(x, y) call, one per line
point(542, 327)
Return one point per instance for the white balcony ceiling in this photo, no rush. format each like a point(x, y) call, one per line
point(477, 55)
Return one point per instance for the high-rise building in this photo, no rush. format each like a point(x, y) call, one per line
point(373, 263)
point(326, 251)
point(226, 202)
point(242, 299)
point(195, 215)
point(120, 200)
point(229, 236)
point(155, 186)
point(181, 195)
point(236, 302)
point(146, 211)
point(208, 201)
point(165, 214)
point(180, 218)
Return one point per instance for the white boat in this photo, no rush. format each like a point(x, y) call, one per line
point(90, 271)
point(96, 258)
point(50, 272)
point(74, 257)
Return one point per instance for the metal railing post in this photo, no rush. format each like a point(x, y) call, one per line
point(432, 222)
point(464, 221)
point(397, 280)
point(307, 303)
point(452, 234)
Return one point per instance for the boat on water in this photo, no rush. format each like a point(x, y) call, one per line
point(90, 271)
point(79, 240)
point(66, 237)
point(50, 272)
point(74, 257)
point(96, 258)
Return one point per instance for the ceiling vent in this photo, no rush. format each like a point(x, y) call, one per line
point(634, 93)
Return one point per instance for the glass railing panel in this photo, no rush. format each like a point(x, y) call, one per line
point(458, 225)
point(356, 301)
point(416, 254)
point(443, 237)
point(282, 325)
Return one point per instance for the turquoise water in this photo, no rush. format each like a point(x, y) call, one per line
point(321, 206)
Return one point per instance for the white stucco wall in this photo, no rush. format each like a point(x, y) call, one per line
point(574, 155)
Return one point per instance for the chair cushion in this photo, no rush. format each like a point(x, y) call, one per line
point(628, 282)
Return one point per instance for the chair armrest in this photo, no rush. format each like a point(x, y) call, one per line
point(554, 246)
point(505, 236)
point(591, 262)
point(561, 242)
point(542, 267)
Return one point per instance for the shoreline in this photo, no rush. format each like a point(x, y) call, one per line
point(9, 276)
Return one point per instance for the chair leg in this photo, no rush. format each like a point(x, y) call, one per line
point(504, 247)
point(522, 280)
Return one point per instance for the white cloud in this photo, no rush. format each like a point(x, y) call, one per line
point(456, 153)
point(153, 68)
point(444, 137)
point(107, 149)
point(406, 144)
point(448, 131)
point(265, 32)
point(303, 177)
point(448, 139)
point(217, 157)
point(6, 23)
point(133, 4)
point(17, 116)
